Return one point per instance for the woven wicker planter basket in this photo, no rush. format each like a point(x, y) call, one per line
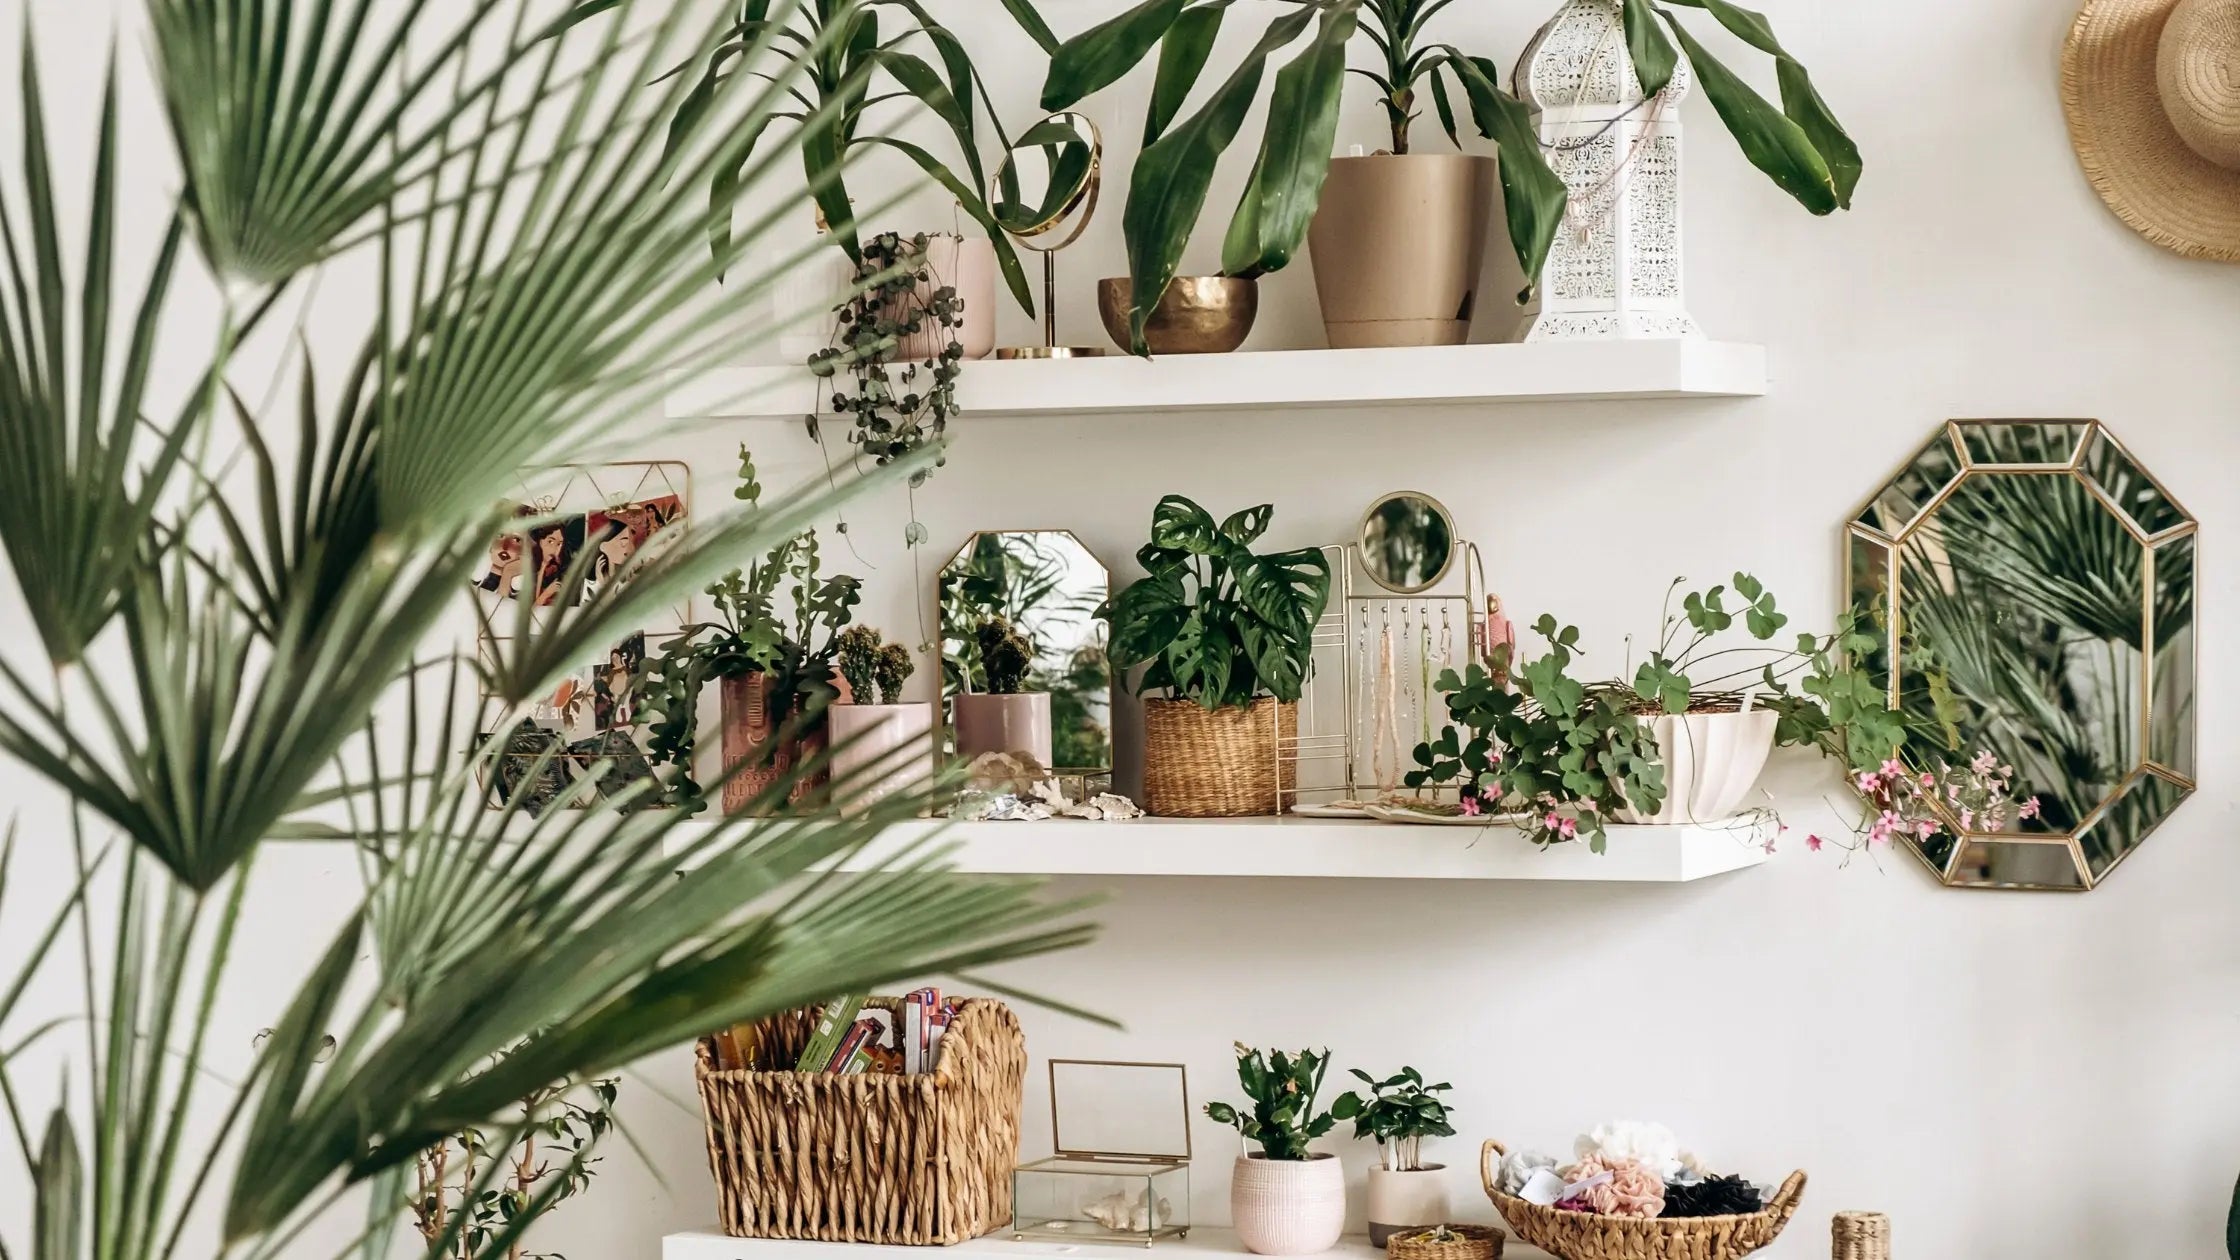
point(1219, 763)
point(923, 1160)
point(1860, 1236)
point(1470, 1242)
point(1588, 1236)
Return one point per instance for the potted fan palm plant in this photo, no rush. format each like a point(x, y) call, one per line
point(1006, 718)
point(1399, 1112)
point(882, 745)
point(1394, 259)
point(1226, 639)
point(1284, 1200)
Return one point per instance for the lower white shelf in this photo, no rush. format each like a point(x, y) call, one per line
point(1202, 1244)
point(1321, 848)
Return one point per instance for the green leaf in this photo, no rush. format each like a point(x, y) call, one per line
point(1177, 524)
point(1533, 195)
point(1097, 57)
point(1007, 258)
point(1286, 181)
point(1773, 142)
point(1245, 526)
point(1023, 12)
point(1799, 99)
point(1182, 57)
point(1167, 190)
point(58, 1205)
point(1651, 50)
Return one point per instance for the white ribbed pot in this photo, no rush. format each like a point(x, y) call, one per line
point(878, 750)
point(1711, 762)
point(1401, 1201)
point(1288, 1207)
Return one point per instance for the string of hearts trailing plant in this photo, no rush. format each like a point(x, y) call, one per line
point(893, 408)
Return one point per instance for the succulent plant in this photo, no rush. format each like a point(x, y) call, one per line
point(1005, 654)
point(857, 656)
point(892, 669)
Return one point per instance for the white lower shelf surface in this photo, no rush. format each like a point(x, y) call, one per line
point(1318, 848)
point(1202, 1244)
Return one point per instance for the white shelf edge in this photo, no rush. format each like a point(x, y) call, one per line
point(1204, 1243)
point(1557, 371)
point(1249, 848)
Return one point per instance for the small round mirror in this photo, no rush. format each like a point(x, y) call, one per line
point(1407, 542)
point(1046, 189)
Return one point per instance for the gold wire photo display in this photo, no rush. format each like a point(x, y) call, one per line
point(2031, 588)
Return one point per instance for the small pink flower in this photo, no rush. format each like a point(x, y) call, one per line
point(1924, 829)
point(1569, 829)
point(1869, 781)
point(1470, 807)
point(1967, 818)
point(2029, 809)
point(1984, 762)
point(1891, 769)
point(1553, 821)
point(1928, 780)
point(1813, 843)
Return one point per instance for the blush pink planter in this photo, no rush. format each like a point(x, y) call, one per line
point(1004, 724)
point(878, 750)
point(968, 263)
point(1711, 763)
point(1288, 1207)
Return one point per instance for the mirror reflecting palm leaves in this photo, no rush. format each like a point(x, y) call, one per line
point(1048, 586)
point(2034, 591)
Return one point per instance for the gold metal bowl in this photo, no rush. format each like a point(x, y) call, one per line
point(1196, 315)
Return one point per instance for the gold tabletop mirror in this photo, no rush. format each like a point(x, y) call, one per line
point(1407, 542)
point(1045, 195)
point(2031, 588)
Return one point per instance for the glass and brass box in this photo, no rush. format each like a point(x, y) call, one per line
point(1121, 1168)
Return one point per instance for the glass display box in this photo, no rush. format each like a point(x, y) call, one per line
point(1120, 1171)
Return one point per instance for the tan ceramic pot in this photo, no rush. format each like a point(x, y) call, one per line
point(1397, 244)
point(1402, 1201)
point(879, 750)
point(1196, 315)
point(1004, 724)
point(751, 735)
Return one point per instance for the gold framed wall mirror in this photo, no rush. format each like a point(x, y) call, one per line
point(1024, 670)
point(2031, 588)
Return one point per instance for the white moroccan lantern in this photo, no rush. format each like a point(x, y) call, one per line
point(1615, 269)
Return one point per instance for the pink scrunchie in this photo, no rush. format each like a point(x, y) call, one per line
point(1633, 1189)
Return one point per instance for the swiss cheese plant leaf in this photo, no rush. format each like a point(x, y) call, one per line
point(1097, 57)
point(1180, 525)
point(1287, 590)
point(1286, 182)
point(1244, 526)
point(1146, 618)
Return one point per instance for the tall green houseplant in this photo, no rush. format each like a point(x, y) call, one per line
point(245, 594)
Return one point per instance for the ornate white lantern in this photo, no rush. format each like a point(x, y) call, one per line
point(1615, 268)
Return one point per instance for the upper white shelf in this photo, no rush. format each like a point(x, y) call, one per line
point(1547, 371)
point(1206, 1243)
point(1322, 848)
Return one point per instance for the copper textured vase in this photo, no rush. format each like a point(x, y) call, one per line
point(754, 737)
point(1398, 243)
point(1196, 315)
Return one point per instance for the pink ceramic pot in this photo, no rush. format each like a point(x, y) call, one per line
point(1004, 724)
point(878, 750)
point(968, 264)
point(1293, 1207)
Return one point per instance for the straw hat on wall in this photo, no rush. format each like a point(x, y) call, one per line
point(2152, 91)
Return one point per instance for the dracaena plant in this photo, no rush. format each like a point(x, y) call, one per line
point(248, 625)
point(1281, 1087)
point(1212, 621)
point(1798, 144)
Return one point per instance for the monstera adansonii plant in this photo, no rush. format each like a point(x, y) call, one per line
point(1798, 144)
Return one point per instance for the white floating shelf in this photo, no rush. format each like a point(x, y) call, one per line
point(1321, 849)
point(1203, 1244)
point(1548, 371)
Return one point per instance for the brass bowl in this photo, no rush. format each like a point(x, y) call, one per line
point(1196, 315)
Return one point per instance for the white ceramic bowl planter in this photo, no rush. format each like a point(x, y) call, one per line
point(1288, 1207)
point(1711, 762)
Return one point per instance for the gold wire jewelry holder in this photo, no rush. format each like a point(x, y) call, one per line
point(1396, 646)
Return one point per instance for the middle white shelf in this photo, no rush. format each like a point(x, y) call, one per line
point(1321, 849)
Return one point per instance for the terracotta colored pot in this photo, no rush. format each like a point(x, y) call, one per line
point(967, 264)
point(1711, 762)
point(1288, 1207)
point(879, 750)
point(1401, 1201)
point(1196, 315)
point(1004, 724)
point(1397, 244)
point(751, 735)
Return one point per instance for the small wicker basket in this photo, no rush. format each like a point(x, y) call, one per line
point(1236, 762)
point(1860, 1236)
point(913, 1160)
point(1588, 1236)
point(1468, 1242)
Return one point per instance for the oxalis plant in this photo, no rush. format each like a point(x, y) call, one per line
point(1799, 144)
point(244, 582)
point(1282, 1088)
point(1399, 1111)
point(1531, 738)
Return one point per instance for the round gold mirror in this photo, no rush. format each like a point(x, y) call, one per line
point(1407, 542)
point(1044, 196)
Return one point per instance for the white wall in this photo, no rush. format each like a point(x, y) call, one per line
point(2008, 1075)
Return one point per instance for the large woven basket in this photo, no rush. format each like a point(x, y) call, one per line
point(870, 1158)
point(1589, 1236)
point(1236, 762)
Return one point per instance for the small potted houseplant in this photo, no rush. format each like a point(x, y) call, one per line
point(1006, 718)
point(775, 673)
point(1284, 1200)
point(1225, 638)
point(1399, 1112)
point(881, 744)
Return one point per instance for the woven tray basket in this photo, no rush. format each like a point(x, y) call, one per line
point(1588, 1236)
point(923, 1160)
point(1471, 1242)
point(1219, 763)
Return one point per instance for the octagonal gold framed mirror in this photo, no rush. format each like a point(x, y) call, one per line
point(2031, 587)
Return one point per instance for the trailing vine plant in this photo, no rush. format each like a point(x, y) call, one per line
point(893, 408)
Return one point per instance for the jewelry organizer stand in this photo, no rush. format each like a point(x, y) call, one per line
point(1396, 648)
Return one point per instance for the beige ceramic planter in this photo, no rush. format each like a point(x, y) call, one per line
point(1397, 244)
point(1004, 724)
point(1401, 1201)
point(878, 750)
point(968, 264)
